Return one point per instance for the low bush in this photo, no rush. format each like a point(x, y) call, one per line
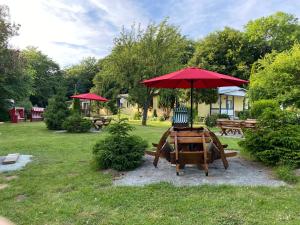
point(258, 107)
point(119, 150)
point(276, 141)
point(211, 120)
point(137, 115)
point(243, 115)
point(287, 174)
point(76, 124)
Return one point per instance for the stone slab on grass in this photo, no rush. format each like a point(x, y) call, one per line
point(21, 162)
point(240, 172)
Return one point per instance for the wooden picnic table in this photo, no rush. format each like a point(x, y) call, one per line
point(197, 146)
point(235, 126)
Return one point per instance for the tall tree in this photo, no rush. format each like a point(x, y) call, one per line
point(14, 83)
point(277, 76)
point(278, 32)
point(46, 75)
point(143, 54)
point(225, 52)
point(81, 75)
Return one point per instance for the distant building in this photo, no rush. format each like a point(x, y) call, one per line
point(231, 101)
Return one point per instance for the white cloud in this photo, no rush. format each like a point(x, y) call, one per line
point(68, 30)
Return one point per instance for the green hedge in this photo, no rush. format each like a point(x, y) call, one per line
point(276, 141)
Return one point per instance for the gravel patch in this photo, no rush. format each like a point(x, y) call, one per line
point(230, 135)
point(240, 172)
point(22, 161)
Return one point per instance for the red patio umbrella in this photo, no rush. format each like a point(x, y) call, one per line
point(193, 77)
point(90, 96)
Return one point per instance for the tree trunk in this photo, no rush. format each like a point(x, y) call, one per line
point(145, 110)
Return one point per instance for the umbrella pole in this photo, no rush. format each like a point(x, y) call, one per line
point(192, 90)
point(90, 108)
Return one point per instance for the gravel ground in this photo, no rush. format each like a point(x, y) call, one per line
point(22, 161)
point(240, 172)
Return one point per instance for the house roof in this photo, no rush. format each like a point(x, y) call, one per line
point(232, 90)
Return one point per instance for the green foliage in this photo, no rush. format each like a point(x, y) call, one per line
point(276, 140)
point(45, 73)
point(287, 174)
point(81, 75)
point(243, 115)
point(119, 151)
point(76, 106)
point(258, 107)
point(14, 83)
point(137, 115)
point(211, 120)
point(57, 111)
point(275, 32)
point(76, 124)
point(139, 55)
point(277, 76)
point(226, 52)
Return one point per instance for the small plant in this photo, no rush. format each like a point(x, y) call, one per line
point(76, 124)
point(211, 120)
point(56, 112)
point(286, 173)
point(243, 115)
point(119, 150)
point(137, 115)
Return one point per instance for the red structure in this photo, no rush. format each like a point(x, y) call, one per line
point(36, 114)
point(17, 114)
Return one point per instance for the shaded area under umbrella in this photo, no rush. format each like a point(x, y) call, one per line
point(193, 77)
point(90, 96)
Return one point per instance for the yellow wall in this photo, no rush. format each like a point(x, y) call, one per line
point(204, 109)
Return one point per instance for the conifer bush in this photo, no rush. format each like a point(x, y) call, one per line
point(119, 150)
point(56, 111)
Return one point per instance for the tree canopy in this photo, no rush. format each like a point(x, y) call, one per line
point(142, 54)
point(277, 76)
point(45, 73)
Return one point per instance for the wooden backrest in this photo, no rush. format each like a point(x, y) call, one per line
point(190, 137)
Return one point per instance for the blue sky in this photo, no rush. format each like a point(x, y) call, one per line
point(69, 30)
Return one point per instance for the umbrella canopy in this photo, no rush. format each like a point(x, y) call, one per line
point(90, 96)
point(193, 77)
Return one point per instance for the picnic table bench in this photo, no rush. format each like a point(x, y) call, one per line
point(197, 146)
point(235, 126)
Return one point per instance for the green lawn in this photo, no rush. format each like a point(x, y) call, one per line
point(61, 187)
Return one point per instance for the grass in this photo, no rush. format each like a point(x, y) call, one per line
point(287, 174)
point(61, 187)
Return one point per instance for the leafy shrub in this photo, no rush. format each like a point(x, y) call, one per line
point(258, 107)
point(137, 115)
point(211, 120)
point(56, 112)
point(76, 124)
point(276, 140)
point(286, 173)
point(162, 118)
point(243, 115)
point(119, 150)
